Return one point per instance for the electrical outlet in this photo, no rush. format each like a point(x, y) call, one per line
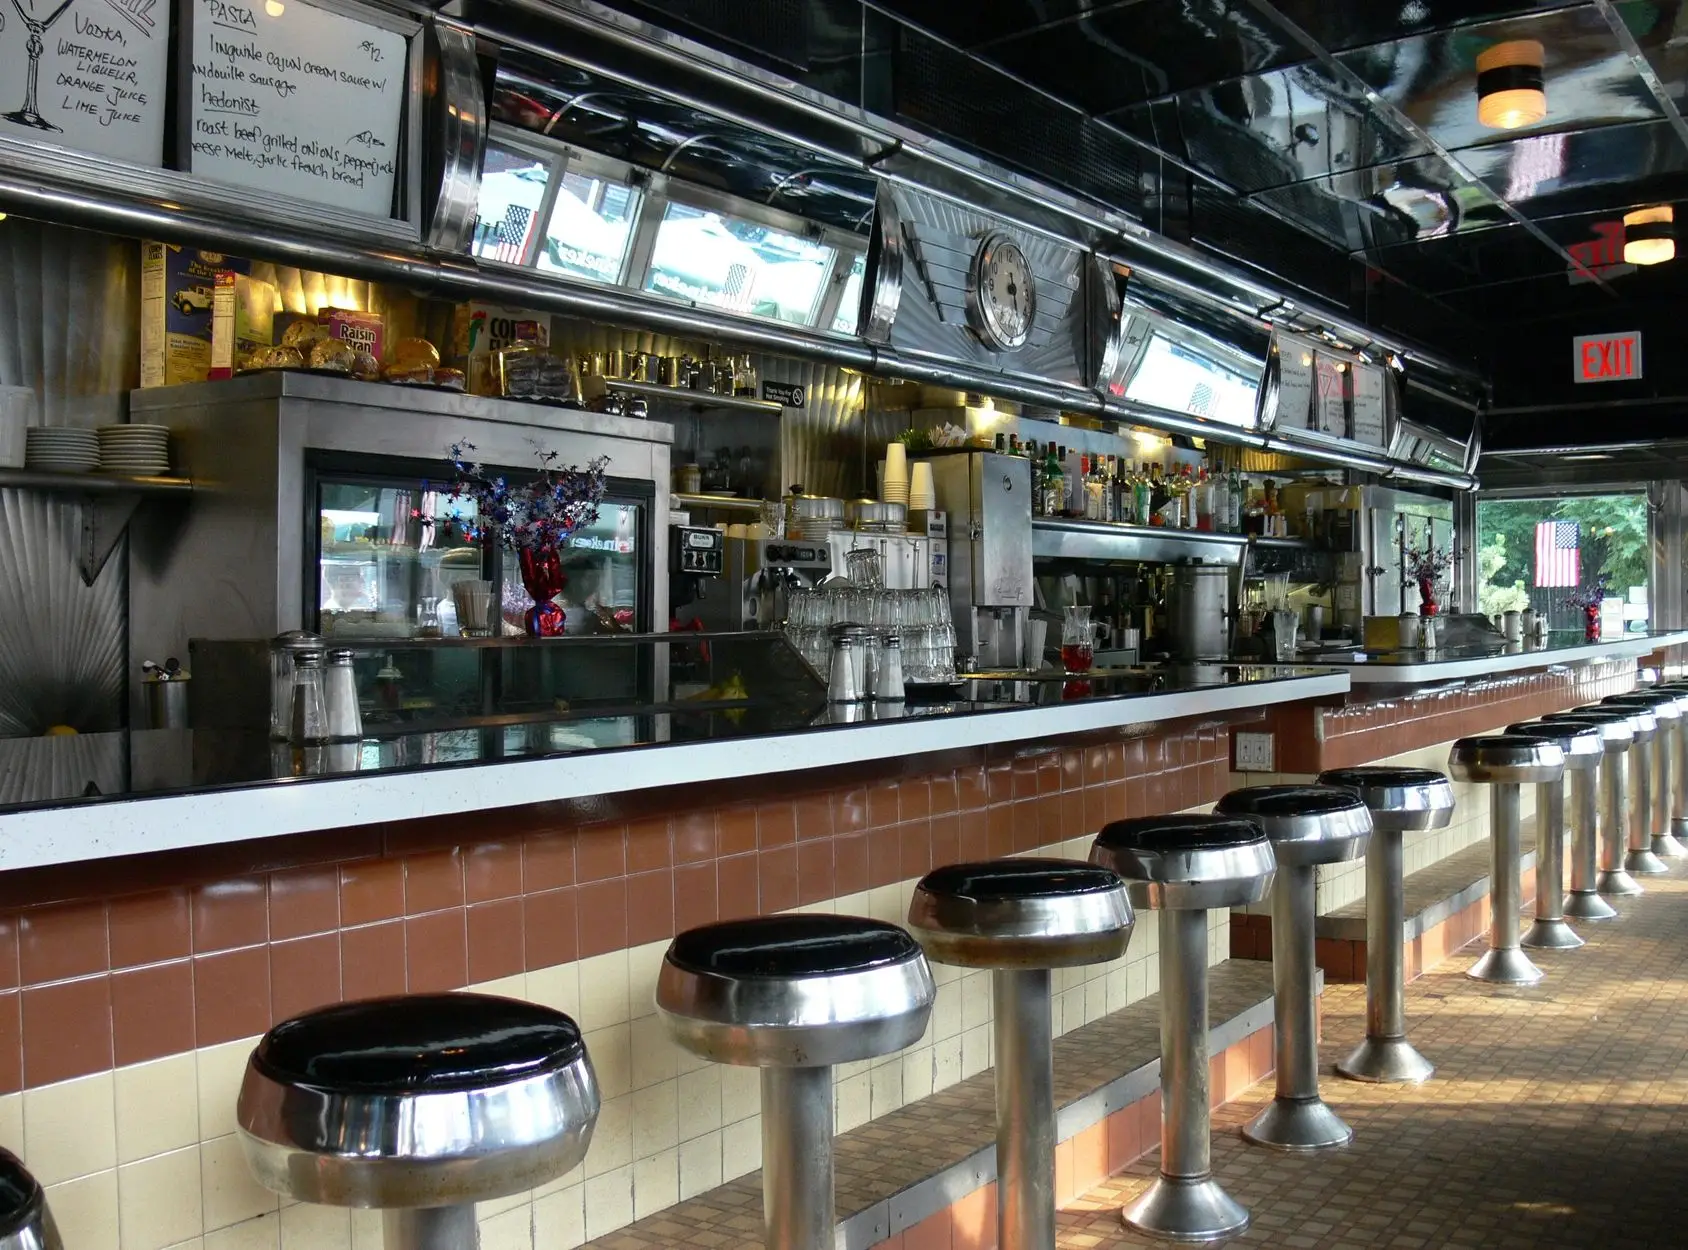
point(1254, 752)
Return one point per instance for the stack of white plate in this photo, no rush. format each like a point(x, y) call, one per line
point(138, 450)
point(61, 449)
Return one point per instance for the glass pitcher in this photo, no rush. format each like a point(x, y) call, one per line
point(1078, 639)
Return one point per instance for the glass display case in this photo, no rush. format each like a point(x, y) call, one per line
point(389, 546)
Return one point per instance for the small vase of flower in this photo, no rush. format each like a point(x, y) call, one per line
point(1589, 599)
point(534, 518)
point(1427, 565)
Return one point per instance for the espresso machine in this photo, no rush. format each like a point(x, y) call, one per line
point(755, 584)
point(988, 499)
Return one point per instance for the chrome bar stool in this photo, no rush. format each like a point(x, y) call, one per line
point(1401, 801)
point(1505, 762)
point(1624, 831)
point(1617, 739)
point(1308, 826)
point(794, 995)
point(1679, 771)
point(1184, 866)
point(25, 1221)
point(1580, 742)
point(1021, 918)
point(1667, 707)
point(419, 1106)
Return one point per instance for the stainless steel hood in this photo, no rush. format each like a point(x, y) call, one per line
point(683, 123)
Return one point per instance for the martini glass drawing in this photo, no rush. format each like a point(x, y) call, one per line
point(28, 114)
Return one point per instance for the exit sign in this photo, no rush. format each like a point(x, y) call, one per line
point(1606, 357)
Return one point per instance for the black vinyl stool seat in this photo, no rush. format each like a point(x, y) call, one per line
point(1308, 826)
point(1583, 749)
point(1652, 840)
point(1184, 865)
point(793, 995)
point(25, 1221)
point(1401, 801)
point(1504, 762)
point(419, 1101)
point(1021, 918)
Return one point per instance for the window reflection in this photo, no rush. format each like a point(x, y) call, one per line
point(589, 229)
point(512, 186)
point(849, 304)
point(1172, 376)
point(739, 266)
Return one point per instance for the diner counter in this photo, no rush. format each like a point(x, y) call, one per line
point(412, 776)
point(1414, 667)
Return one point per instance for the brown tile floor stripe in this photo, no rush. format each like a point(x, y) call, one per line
point(1555, 1118)
point(884, 1157)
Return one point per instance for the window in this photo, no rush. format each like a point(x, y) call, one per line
point(1173, 376)
point(589, 229)
point(1536, 553)
point(737, 265)
point(850, 303)
point(512, 186)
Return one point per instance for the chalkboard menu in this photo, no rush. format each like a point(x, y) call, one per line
point(298, 100)
point(86, 74)
point(1370, 424)
point(1332, 406)
point(1295, 385)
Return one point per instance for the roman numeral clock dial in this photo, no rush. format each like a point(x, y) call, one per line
point(1002, 295)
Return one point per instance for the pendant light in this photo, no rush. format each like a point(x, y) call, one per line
point(1650, 235)
point(1509, 85)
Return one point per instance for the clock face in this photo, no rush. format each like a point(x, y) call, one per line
point(1004, 294)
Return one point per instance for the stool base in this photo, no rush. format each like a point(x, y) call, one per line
point(1588, 905)
point(1666, 846)
point(1298, 1124)
point(430, 1228)
point(1644, 864)
point(1186, 1209)
point(1551, 935)
point(1386, 1061)
point(1617, 882)
point(1505, 966)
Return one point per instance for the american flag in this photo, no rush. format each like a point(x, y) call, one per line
point(509, 236)
point(1558, 562)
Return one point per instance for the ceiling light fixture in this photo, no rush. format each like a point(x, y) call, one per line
point(1509, 85)
point(1650, 235)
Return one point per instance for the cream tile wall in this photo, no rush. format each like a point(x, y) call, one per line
point(146, 1157)
point(1341, 884)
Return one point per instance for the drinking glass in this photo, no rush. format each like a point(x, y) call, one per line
point(1078, 639)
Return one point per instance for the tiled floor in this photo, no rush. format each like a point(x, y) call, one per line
point(1558, 1115)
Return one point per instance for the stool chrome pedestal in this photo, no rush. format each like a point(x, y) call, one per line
point(1596, 851)
point(1401, 801)
point(420, 1106)
point(1308, 826)
point(1505, 762)
point(794, 995)
point(1679, 770)
point(1581, 744)
point(1622, 829)
point(1021, 918)
point(1185, 865)
point(1651, 841)
point(25, 1221)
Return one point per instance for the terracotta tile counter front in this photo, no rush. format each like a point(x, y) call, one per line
point(132, 987)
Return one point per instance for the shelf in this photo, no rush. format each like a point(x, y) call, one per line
point(720, 503)
point(698, 401)
point(1284, 544)
point(108, 501)
point(1061, 538)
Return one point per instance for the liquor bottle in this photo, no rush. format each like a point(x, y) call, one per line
point(1072, 470)
point(1001, 443)
point(1054, 489)
point(1037, 478)
point(1143, 493)
point(1096, 491)
point(1014, 445)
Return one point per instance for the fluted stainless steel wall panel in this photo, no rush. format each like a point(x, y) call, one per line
point(69, 331)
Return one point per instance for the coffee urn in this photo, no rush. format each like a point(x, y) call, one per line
point(1198, 611)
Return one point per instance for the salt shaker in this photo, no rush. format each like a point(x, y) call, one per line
point(308, 722)
point(887, 678)
point(340, 699)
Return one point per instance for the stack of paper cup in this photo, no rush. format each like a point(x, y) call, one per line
point(895, 487)
point(921, 496)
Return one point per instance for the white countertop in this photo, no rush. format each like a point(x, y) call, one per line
point(1364, 671)
point(80, 831)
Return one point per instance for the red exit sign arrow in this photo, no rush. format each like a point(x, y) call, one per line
point(1606, 357)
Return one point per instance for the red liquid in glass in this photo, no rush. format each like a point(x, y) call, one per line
point(1076, 657)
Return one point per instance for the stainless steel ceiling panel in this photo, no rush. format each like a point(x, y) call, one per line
point(1338, 25)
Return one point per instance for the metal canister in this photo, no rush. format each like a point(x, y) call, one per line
point(668, 371)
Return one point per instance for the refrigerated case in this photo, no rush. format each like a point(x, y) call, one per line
point(390, 542)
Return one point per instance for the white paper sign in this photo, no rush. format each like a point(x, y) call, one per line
point(1368, 405)
point(1332, 399)
point(86, 74)
point(298, 101)
point(1295, 386)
